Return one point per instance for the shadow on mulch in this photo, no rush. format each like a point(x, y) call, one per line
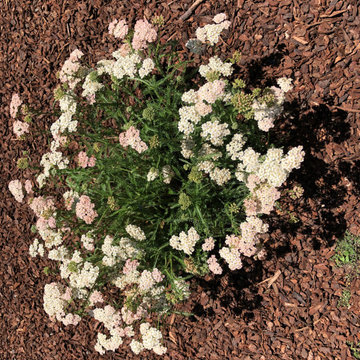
point(301, 126)
point(321, 195)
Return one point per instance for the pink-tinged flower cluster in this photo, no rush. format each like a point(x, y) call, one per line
point(129, 317)
point(70, 68)
point(251, 207)
point(44, 209)
point(40, 205)
point(67, 294)
point(28, 187)
point(144, 33)
point(60, 139)
point(211, 91)
point(130, 266)
point(15, 188)
point(85, 209)
point(214, 266)
point(267, 195)
point(96, 297)
point(84, 161)
point(71, 319)
point(20, 128)
point(131, 137)
point(44, 223)
point(252, 181)
point(14, 105)
point(118, 28)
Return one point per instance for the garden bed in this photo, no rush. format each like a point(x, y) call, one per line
point(285, 307)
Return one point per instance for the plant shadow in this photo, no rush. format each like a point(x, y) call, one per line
point(313, 128)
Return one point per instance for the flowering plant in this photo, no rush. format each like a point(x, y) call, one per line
point(168, 179)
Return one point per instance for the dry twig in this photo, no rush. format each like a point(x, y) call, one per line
point(190, 10)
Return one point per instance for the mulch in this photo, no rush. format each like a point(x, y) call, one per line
point(285, 307)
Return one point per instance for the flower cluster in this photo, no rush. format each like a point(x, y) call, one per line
point(185, 242)
point(135, 232)
point(215, 68)
point(85, 209)
point(14, 105)
point(15, 188)
point(151, 340)
point(118, 28)
point(211, 32)
point(70, 68)
point(265, 113)
point(144, 33)
point(56, 298)
point(20, 128)
point(36, 249)
point(131, 137)
point(84, 161)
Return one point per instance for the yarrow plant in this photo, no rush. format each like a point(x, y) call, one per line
point(167, 180)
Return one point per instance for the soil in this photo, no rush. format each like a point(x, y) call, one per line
point(285, 307)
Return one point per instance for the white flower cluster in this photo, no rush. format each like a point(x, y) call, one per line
point(148, 279)
point(55, 300)
point(185, 242)
point(188, 117)
point(36, 249)
point(90, 86)
point(68, 108)
point(51, 238)
point(187, 146)
point(167, 174)
point(152, 174)
point(211, 32)
point(130, 278)
point(265, 115)
point(135, 232)
point(62, 124)
point(104, 343)
point(215, 66)
point(58, 254)
point(232, 257)
point(70, 264)
point(203, 98)
point(123, 251)
point(215, 132)
point(275, 167)
point(104, 66)
point(52, 159)
point(88, 240)
point(146, 67)
point(151, 340)
point(85, 277)
point(125, 65)
point(112, 320)
point(285, 84)
point(108, 316)
point(235, 146)
point(15, 188)
point(220, 176)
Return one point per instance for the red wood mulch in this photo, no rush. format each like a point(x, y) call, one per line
point(294, 313)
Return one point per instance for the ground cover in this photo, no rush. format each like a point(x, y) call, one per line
point(284, 308)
